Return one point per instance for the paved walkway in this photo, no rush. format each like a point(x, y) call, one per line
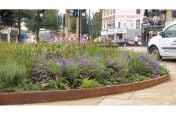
point(163, 94)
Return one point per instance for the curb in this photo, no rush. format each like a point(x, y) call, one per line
point(72, 94)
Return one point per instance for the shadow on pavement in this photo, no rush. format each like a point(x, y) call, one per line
point(169, 60)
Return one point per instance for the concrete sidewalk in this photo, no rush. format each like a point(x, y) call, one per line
point(163, 94)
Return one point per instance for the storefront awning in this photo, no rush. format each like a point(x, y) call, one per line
point(114, 31)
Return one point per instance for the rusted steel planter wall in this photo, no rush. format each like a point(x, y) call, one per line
point(61, 95)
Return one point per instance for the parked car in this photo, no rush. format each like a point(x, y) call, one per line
point(131, 42)
point(164, 44)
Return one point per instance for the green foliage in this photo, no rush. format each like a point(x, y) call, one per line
point(59, 83)
point(9, 17)
point(137, 78)
point(72, 65)
point(12, 74)
point(86, 83)
point(27, 87)
point(96, 24)
point(51, 20)
point(162, 70)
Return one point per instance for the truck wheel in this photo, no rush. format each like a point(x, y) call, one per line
point(154, 50)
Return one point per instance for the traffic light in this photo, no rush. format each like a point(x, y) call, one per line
point(75, 13)
point(83, 12)
point(41, 14)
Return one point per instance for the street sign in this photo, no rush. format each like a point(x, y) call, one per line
point(88, 22)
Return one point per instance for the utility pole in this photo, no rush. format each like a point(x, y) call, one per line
point(89, 25)
point(38, 25)
point(79, 24)
point(19, 25)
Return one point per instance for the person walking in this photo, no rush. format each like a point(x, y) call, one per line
point(136, 39)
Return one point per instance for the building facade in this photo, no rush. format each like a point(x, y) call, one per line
point(121, 23)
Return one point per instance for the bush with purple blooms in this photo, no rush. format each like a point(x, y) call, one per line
point(73, 65)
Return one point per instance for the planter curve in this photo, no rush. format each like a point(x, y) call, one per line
point(72, 94)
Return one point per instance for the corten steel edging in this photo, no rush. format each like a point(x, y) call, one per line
point(61, 95)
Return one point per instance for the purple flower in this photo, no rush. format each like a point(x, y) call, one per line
point(154, 65)
point(106, 74)
point(56, 59)
point(33, 61)
point(63, 63)
point(41, 56)
point(99, 56)
point(83, 63)
point(71, 61)
point(119, 74)
point(46, 69)
point(34, 73)
point(110, 62)
point(119, 65)
point(37, 67)
point(40, 77)
point(127, 56)
point(140, 57)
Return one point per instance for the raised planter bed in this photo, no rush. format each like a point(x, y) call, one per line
point(61, 95)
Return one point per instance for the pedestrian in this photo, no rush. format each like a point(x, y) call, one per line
point(136, 39)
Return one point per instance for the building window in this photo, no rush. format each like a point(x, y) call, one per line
point(113, 23)
point(111, 12)
point(114, 11)
point(118, 24)
point(107, 12)
point(138, 11)
point(137, 24)
point(124, 24)
point(104, 12)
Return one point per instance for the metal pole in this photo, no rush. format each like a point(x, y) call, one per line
point(79, 24)
point(19, 25)
point(89, 25)
point(38, 25)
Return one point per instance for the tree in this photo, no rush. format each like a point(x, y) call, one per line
point(51, 20)
point(96, 24)
point(84, 26)
point(29, 17)
point(8, 17)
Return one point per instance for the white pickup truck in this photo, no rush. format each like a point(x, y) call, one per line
point(164, 44)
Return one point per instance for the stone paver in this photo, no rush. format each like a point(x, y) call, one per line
point(89, 101)
point(163, 94)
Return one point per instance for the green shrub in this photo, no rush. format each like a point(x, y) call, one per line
point(162, 70)
point(137, 78)
point(59, 83)
point(12, 74)
point(86, 83)
point(27, 87)
point(72, 65)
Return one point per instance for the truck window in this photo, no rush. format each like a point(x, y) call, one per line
point(170, 32)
